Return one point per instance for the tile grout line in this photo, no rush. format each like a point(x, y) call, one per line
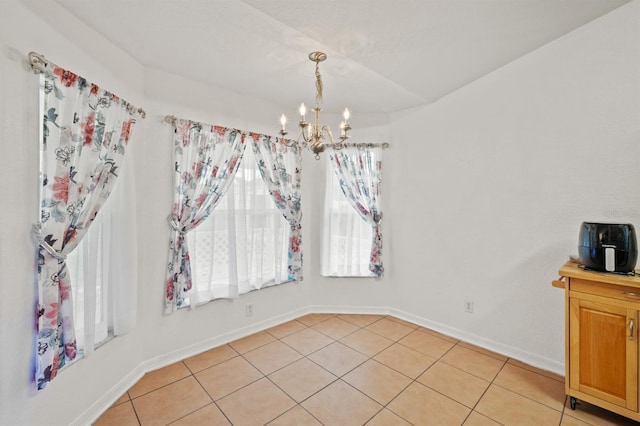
point(337, 378)
point(369, 358)
point(525, 396)
point(213, 401)
point(491, 382)
point(266, 376)
point(386, 406)
point(516, 393)
point(564, 407)
point(191, 374)
point(485, 392)
point(164, 385)
point(393, 341)
point(135, 412)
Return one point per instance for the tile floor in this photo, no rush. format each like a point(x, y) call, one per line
point(325, 369)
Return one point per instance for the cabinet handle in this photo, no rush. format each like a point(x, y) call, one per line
point(630, 328)
point(627, 293)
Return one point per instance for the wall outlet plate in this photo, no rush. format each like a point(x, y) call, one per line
point(468, 306)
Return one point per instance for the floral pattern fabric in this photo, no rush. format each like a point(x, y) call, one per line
point(206, 160)
point(359, 172)
point(280, 165)
point(86, 130)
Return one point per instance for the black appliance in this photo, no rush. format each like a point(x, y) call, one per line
point(608, 247)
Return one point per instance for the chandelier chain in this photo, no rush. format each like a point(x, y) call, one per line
point(318, 85)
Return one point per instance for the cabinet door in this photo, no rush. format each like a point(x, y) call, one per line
point(603, 351)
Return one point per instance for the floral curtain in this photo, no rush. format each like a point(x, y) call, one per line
point(206, 160)
point(85, 134)
point(280, 165)
point(359, 172)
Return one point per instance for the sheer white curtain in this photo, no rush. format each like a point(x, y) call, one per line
point(280, 165)
point(346, 238)
point(243, 244)
point(103, 268)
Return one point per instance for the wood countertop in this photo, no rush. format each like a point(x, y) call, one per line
point(574, 270)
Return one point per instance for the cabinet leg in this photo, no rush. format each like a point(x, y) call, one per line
point(572, 402)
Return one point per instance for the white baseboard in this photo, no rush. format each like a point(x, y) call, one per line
point(509, 351)
point(100, 406)
point(90, 415)
point(528, 358)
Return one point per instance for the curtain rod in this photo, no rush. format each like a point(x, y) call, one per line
point(38, 62)
point(383, 145)
point(171, 119)
point(39, 65)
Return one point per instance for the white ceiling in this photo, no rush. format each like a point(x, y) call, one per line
point(384, 55)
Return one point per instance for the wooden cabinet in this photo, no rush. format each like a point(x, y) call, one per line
point(603, 352)
point(601, 316)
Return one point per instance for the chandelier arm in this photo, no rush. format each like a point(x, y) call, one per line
point(302, 138)
point(327, 130)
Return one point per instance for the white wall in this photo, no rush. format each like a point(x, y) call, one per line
point(496, 178)
point(529, 151)
point(167, 335)
point(80, 393)
point(20, 32)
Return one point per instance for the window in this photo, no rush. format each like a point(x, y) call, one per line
point(346, 237)
point(90, 288)
point(103, 268)
point(243, 244)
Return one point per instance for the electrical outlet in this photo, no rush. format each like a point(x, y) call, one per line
point(468, 306)
point(248, 309)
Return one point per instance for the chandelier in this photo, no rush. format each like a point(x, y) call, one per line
point(312, 135)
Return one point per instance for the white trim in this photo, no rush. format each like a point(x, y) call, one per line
point(345, 309)
point(90, 415)
point(205, 345)
point(528, 358)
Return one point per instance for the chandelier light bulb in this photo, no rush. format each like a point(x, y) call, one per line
point(346, 115)
point(303, 110)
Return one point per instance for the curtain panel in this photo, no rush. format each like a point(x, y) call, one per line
point(346, 238)
point(85, 132)
point(280, 165)
point(359, 172)
point(103, 268)
point(243, 244)
point(206, 160)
